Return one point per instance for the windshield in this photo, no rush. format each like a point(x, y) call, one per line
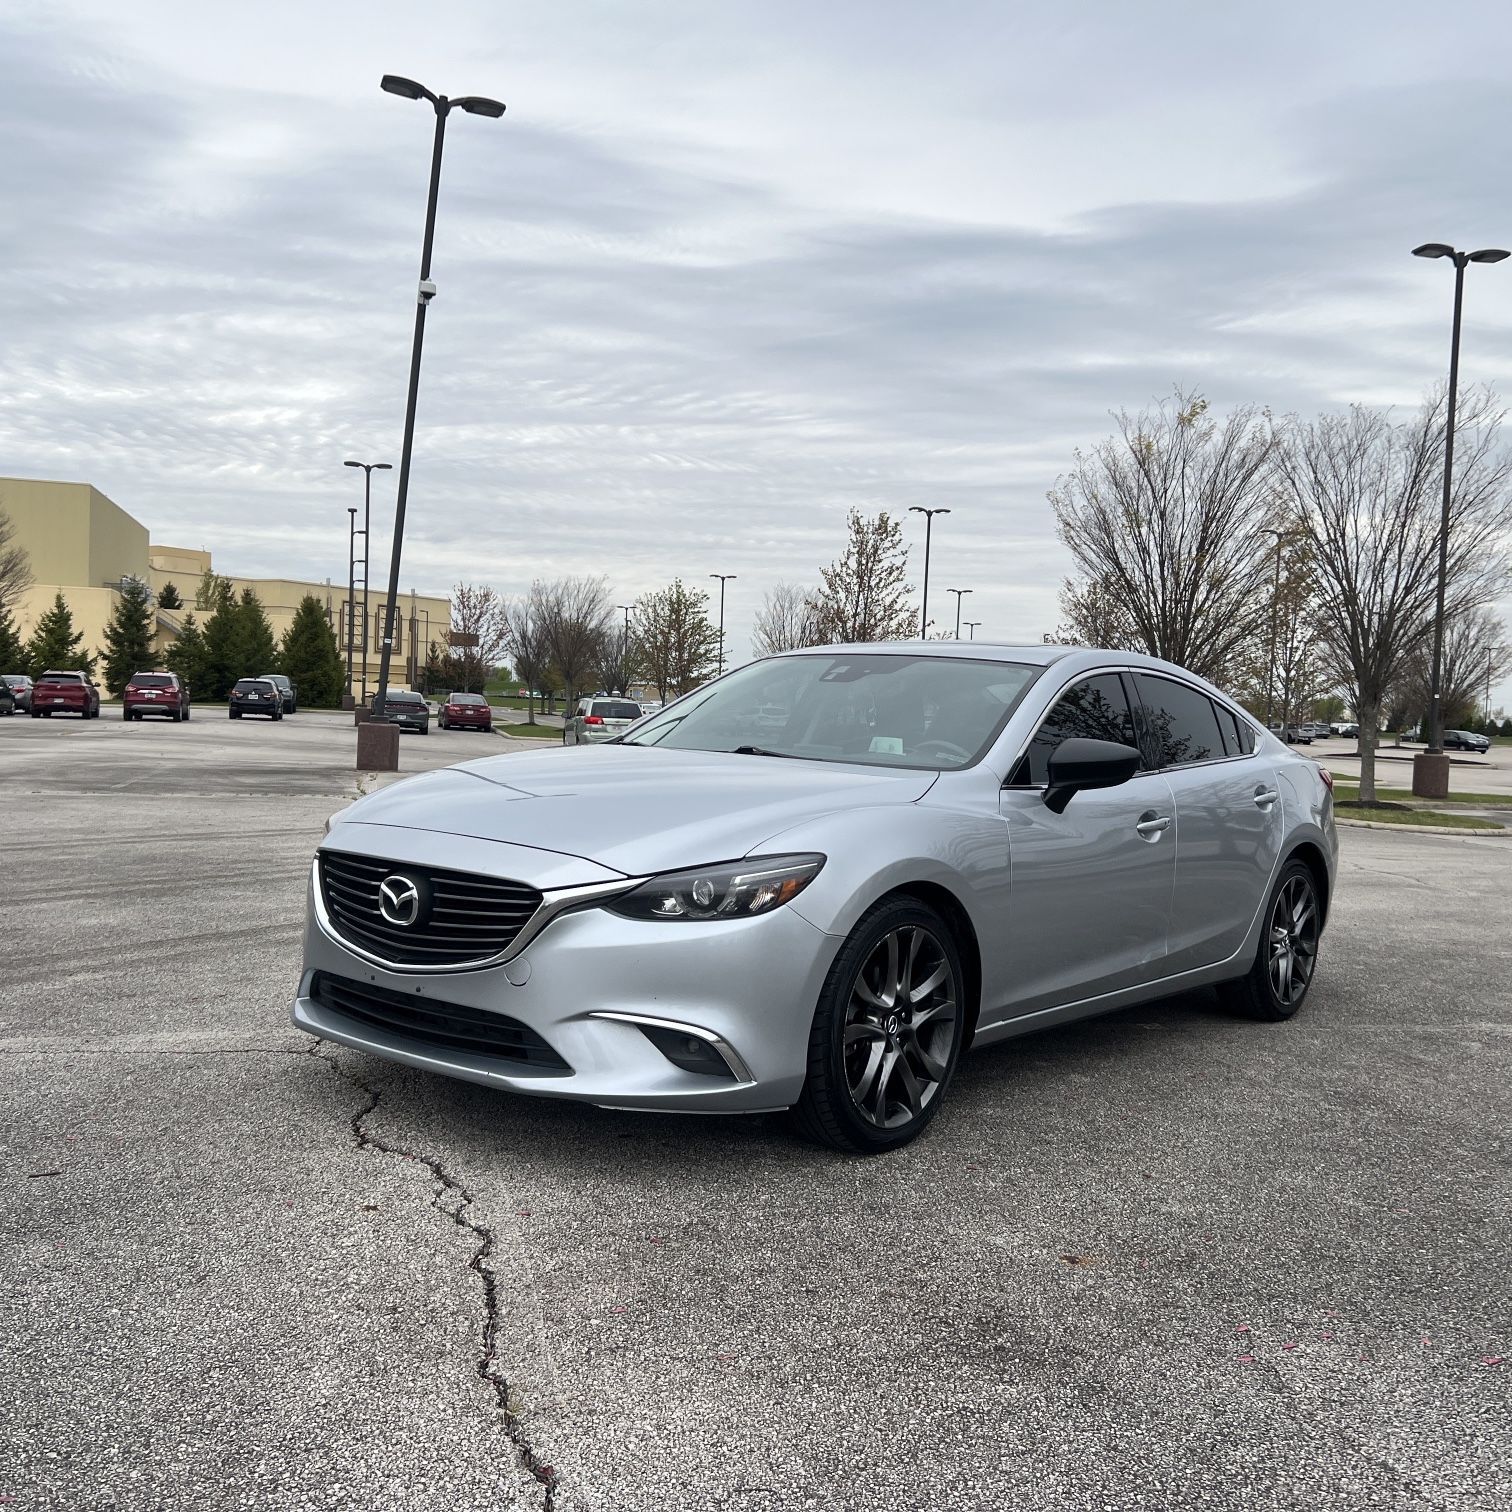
point(901, 709)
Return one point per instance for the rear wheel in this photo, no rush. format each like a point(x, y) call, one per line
point(1276, 985)
point(887, 1032)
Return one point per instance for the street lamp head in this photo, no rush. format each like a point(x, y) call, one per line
point(480, 105)
point(395, 84)
point(351, 464)
point(1433, 249)
point(383, 467)
point(1490, 255)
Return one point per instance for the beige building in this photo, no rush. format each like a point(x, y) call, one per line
point(82, 544)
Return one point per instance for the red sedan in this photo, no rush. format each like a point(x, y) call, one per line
point(465, 711)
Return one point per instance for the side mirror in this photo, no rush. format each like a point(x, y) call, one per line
point(1078, 764)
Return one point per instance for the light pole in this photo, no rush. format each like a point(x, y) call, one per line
point(368, 469)
point(351, 592)
point(1430, 768)
point(960, 593)
point(386, 755)
point(625, 651)
point(929, 515)
point(971, 626)
point(1490, 665)
point(724, 577)
point(1270, 666)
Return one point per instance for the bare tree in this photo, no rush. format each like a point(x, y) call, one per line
point(1168, 519)
point(1279, 675)
point(1367, 492)
point(675, 641)
point(478, 638)
point(574, 613)
point(787, 620)
point(1094, 617)
point(864, 596)
point(1474, 655)
point(525, 633)
point(15, 565)
point(616, 661)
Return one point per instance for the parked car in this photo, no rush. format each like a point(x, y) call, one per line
point(826, 922)
point(1318, 729)
point(1295, 734)
point(465, 711)
point(65, 693)
point(7, 700)
point(21, 690)
point(407, 709)
point(1466, 740)
point(155, 693)
point(597, 719)
point(289, 690)
point(256, 695)
point(1346, 729)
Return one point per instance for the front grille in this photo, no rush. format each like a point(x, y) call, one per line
point(449, 1025)
point(466, 917)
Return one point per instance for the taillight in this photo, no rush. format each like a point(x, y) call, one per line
point(1327, 778)
point(593, 719)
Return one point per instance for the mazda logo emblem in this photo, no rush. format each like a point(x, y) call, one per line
point(399, 900)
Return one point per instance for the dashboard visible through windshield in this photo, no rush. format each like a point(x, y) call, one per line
point(895, 709)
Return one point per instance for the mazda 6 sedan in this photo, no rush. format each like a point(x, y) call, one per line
point(937, 845)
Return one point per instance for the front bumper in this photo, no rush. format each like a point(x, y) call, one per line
point(750, 984)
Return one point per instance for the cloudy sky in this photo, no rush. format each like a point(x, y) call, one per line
point(723, 271)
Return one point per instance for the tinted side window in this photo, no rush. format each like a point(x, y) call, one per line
point(1181, 724)
point(1095, 709)
point(1237, 734)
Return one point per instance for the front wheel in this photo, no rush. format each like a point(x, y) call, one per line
point(887, 1032)
point(1276, 984)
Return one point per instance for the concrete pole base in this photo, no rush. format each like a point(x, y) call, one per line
point(348, 702)
point(1430, 774)
point(361, 714)
point(377, 747)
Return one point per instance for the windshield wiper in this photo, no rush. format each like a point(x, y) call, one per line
point(750, 750)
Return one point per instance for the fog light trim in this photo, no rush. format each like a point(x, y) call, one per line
point(664, 1032)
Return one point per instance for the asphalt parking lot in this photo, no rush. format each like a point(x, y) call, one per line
point(1167, 1259)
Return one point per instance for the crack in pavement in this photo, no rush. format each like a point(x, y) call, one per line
point(451, 1197)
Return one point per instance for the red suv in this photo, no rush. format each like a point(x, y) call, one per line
point(465, 711)
point(155, 693)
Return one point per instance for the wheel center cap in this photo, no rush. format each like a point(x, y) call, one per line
point(893, 1024)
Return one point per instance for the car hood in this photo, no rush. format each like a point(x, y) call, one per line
point(635, 810)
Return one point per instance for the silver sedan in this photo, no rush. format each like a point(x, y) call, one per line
point(936, 846)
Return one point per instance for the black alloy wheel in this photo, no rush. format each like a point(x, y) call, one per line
point(887, 1034)
point(1277, 983)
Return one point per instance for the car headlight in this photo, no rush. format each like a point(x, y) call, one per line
point(732, 890)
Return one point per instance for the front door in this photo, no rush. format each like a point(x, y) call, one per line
point(1090, 903)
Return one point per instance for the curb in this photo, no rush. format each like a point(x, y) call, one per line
point(1419, 829)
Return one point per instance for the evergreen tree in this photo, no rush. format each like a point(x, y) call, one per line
point(187, 656)
point(55, 645)
point(169, 597)
point(128, 635)
point(211, 592)
point(224, 661)
point(309, 658)
point(259, 649)
point(12, 648)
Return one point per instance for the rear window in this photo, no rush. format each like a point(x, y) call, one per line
point(63, 677)
point(252, 685)
point(151, 680)
point(616, 710)
point(400, 695)
point(466, 698)
point(1181, 723)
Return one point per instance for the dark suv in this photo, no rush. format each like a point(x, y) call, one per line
point(289, 690)
point(406, 709)
point(1466, 740)
point(155, 693)
point(256, 695)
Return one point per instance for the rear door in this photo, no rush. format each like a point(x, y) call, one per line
point(1091, 887)
point(1229, 820)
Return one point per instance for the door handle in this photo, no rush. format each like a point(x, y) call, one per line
point(1264, 797)
point(1150, 825)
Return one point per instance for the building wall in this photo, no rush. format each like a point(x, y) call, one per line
point(74, 535)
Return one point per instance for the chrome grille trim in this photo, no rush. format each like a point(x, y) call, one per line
point(558, 901)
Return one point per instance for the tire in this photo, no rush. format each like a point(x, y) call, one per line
point(125, 716)
point(234, 713)
point(854, 1098)
point(1277, 983)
